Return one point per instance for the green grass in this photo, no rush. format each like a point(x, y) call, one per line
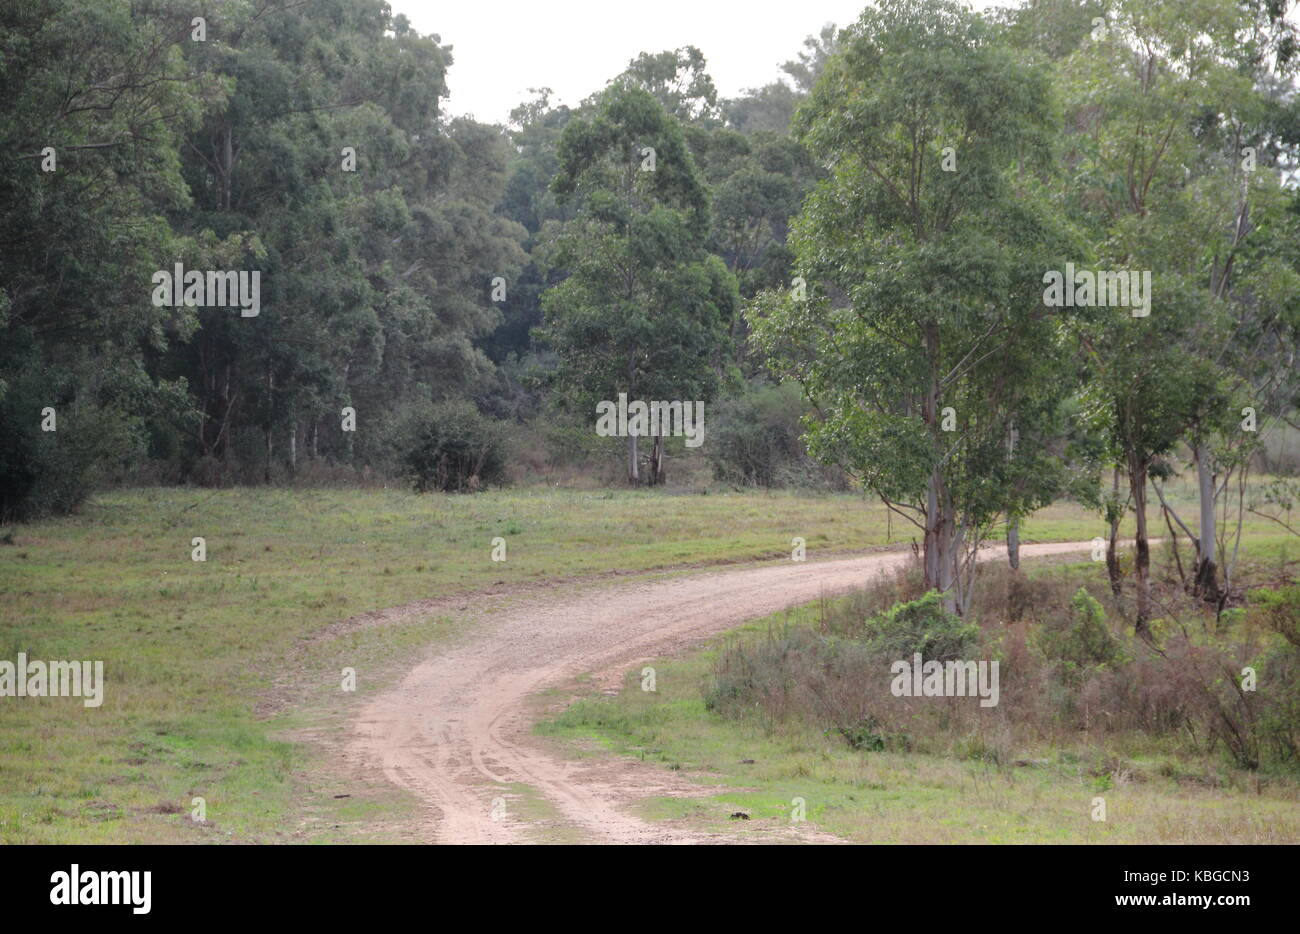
point(212, 690)
point(197, 654)
point(765, 769)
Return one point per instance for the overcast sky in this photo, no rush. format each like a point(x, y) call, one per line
point(503, 47)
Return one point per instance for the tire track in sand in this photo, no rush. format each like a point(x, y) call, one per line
point(455, 730)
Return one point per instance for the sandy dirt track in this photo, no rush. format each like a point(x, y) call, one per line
point(456, 730)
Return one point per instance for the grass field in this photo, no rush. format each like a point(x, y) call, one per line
point(213, 690)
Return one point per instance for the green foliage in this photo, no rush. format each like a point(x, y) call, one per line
point(921, 625)
point(754, 438)
point(229, 154)
point(1079, 641)
point(923, 285)
point(767, 109)
point(810, 63)
point(1279, 610)
point(678, 79)
point(867, 735)
point(1278, 722)
point(1160, 110)
point(379, 279)
point(758, 184)
point(452, 448)
point(103, 87)
point(97, 430)
point(645, 309)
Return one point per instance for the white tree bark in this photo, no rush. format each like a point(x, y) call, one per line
point(1207, 572)
point(633, 468)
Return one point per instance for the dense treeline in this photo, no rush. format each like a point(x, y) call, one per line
point(402, 255)
point(303, 141)
point(847, 266)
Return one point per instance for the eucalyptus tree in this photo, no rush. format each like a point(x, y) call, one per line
point(644, 308)
point(1160, 107)
point(92, 101)
point(376, 219)
point(916, 323)
point(1238, 229)
point(679, 80)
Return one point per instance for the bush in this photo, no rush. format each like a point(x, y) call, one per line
point(867, 735)
point(1081, 641)
point(1279, 610)
point(45, 473)
point(453, 448)
point(794, 674)
point(1067, 676)
point(841, 684)
point(921, 626)
point(1279, 716)
point(755, 440)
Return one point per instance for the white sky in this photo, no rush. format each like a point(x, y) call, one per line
point(503, 47)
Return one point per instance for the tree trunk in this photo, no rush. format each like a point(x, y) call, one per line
point(948, 557)
point(270, 408)
point(223, 430)
point(293, 448)
point(931, 544)
point(657, 461)
point(939, 565)
point(1112, 543)
point(953, 543)
point(227, 165)
point(1142, 557)
point(948, 566)
point(941, 544)
point(633, 468)
point(1013, 544)
point(1206, 577)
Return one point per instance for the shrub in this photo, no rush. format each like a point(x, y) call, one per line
point(922, 626)
point(1067, 676)
point(46, 473)
point(1279, 716)
point(1081, 641)
point(867, 734)
point(453, 448)
point(1279, 610)
point(838, 683)
point(755, 439)
point(792, 671)
point(851, 616)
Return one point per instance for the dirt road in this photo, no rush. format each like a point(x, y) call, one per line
point(456, 730)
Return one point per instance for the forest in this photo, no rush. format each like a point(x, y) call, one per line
point(848, 265)
point(986, 270)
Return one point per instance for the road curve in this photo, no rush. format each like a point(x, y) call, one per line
point(456, 730)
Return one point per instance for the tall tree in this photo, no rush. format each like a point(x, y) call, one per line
point(679, 80)
point(1143, 96)
point(375, 217)
point(92, 99)
point(644, 309)
point(921, 285)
